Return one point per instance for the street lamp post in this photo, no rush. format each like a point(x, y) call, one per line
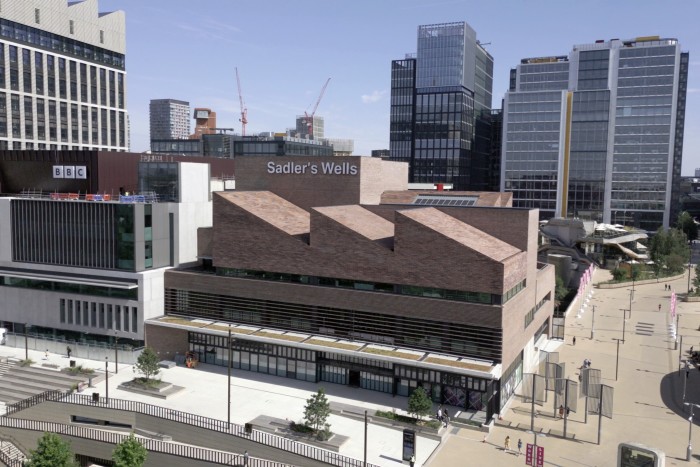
point(617, 356)
point(689, 451)
point(690, 259)
point(116, 354)
point(624, 320)
point(107, 379)
point(229, 375)
point(593, 323)
point(26, 343)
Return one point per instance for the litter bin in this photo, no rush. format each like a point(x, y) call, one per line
point(72, 363)
point(96, 397)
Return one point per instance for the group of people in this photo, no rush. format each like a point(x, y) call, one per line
point(506, 445)
point(443, 416)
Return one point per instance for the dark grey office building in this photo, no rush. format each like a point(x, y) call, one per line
point(441, 108)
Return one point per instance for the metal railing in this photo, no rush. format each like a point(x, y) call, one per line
point(52, 395)
point(260, 437)
point(13, 457)
point(173, 449)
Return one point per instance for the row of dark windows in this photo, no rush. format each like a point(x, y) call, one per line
point(63, 45)
point(400, 289)
point(81, 289)
point(70, 129)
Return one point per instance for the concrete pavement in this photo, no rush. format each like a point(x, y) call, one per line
point(254, 394)
point(648, 400)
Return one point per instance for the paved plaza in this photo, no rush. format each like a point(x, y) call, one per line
point(648, 397)
point(647, 404)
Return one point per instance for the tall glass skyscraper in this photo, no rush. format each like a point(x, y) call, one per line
point(441, 108)
point(598, 134)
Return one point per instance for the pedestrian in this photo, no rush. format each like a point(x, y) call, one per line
point(506, 444)
point(659, 306)
point(445, 417)
point(520, 446)
point(573, 340)
point(46, 354)
point(439, 413)
point(561, 411)
point(245, 458)
point(567, 412)
point(413, 460)
point(68, 351)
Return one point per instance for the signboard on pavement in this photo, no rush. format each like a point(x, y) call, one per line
point(534, 455)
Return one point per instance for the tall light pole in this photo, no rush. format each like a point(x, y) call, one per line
point(107, 379)
point(617, 356)
point(26, 343)
point(593, 323)
point(116, 354)
point(689, 451)
point(624, 320)
point(230, 351)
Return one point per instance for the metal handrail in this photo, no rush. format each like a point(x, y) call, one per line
point(180, 450)
point(257, 436)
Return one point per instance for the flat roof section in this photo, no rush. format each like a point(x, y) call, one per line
point(272, 209)
point(463, 233)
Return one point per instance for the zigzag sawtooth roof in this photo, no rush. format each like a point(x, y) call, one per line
point(360, 220)
point(463, 233)
point(272, 209)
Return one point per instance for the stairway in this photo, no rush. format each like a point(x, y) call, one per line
point(11, 454)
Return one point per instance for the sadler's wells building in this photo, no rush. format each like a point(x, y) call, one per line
point(327, 269)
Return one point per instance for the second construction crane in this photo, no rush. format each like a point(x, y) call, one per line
point(244, 109)
point(309, 118)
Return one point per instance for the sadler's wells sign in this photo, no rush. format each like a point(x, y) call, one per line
point(324, 168)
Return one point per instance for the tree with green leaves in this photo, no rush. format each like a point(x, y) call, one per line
point(669, 251)
point(635, 271)
point(317, 410)
point(419, 404)
point(147, 363)
point(687, 224)
point(619, 274)
point(129, 453)
point(52, 451)
point(560, 291)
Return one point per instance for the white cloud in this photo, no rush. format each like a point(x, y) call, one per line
point(374, 97)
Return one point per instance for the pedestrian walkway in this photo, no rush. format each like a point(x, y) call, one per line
point(648, 400)
point(254, 394)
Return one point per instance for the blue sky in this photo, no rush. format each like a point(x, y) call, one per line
point(285, 50)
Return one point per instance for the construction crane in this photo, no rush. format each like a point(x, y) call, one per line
point(309, 119)
point(244, 109)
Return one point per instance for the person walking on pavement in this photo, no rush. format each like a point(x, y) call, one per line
point(245, 458)
point(574, 340)
point(413, 460)
point(69, 351)
point(659, 306)
point(520, 446)
point(506, 444)
point(445, 417)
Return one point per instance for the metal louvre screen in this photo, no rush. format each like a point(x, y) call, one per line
point(526, 388)
point(553, 372)
point(594, 401)
point(545, 358)
point(572, 395)
point(590, 377)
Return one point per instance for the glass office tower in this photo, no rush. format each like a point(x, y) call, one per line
point(441, 108)
point(598, 134)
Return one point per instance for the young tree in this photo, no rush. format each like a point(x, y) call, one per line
point(317, 410)
point(129, 453)
point(52, 451)
point(419, 404)
point(687, 224)
point(635, 271)
point(560, 291)
point(147, 363)
point(619, 274)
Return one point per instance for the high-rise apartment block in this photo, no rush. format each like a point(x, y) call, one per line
point(598, 134)
point(62, 76)
point(170, 119)
point(441, 108)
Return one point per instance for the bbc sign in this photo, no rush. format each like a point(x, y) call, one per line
point(70, 171)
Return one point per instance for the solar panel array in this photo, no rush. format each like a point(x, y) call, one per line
point(431, 200)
